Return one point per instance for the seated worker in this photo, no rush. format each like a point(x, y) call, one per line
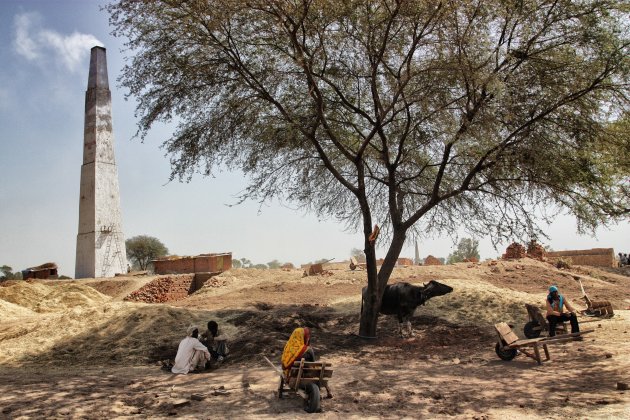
point(191, 354)
point(215, 341)
point(297, 347)
point(555, 311)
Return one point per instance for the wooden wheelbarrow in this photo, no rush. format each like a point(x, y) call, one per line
point(305, 379)
point(599, 308)
point(509, 344)
point(538, 323)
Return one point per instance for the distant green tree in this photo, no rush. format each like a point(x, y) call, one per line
point(260, 266)
point(466, 248)
point(274, 264)
point(142, 249)
point(6, 273)
point(245, 263)
point(236, 263)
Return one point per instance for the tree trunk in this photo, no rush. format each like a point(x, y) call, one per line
point(398, 241)
point(371, 302)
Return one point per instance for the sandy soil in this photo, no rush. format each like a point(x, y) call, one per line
point(75, 349)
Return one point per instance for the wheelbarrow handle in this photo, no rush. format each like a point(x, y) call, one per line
point(278, 371)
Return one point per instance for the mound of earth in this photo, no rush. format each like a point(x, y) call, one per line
point(73, 348)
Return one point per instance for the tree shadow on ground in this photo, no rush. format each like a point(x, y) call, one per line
point(447, 369)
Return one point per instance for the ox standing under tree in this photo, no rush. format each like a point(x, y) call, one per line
point(402, 299)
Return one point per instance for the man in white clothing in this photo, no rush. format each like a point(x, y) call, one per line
point(191, 354)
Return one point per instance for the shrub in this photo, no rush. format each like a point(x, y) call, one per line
point(562, 263)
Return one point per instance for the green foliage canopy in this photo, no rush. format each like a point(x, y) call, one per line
point(6, 273)
point(466, 248)
point(142, 249)
point(421, 115)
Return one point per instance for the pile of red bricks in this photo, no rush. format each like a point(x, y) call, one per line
point(165, 289)
point(431, 260)
point(514, 251)
point(536, 251)
point(404, 262)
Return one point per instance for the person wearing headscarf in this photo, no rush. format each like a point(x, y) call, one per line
point(191, 354)
point(556, 305)
point(297, 347)
point(215, 341)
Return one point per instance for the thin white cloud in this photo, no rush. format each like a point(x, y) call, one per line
point(23, 43)
point(69, 49)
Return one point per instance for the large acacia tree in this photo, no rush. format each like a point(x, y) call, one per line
point(417, 115)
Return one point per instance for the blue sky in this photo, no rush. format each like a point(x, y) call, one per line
point(44, 59)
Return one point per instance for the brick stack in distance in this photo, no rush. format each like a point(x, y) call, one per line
point(514, 251)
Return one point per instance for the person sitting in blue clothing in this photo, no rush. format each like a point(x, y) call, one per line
point(556, 303)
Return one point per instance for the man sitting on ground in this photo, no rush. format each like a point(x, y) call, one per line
point(216, 342)
point(555, 311)
point(191, 354)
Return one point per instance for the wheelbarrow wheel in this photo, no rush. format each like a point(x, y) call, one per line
point(313, 403)
point(531, 331)
point(505, 353)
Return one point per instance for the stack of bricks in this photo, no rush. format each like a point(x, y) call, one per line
point(404, 262)
point(536, 251)
point(165, 289)
point(431, 260)
point(514, 251)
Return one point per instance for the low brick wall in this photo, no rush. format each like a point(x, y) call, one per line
point(596, 257)
point(203, 263)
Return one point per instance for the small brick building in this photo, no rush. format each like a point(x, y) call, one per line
point(44, 271)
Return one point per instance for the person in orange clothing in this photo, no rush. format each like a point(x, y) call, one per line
point(297, 347)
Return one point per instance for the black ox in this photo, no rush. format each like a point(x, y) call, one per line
point(402, 299)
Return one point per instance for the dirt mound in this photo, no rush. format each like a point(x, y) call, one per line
point(26, 294)
point(84, 352)
point(55, 297)
point(117, 287)
point(110, 333)
point(10, 310)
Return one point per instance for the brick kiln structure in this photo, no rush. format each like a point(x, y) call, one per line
point(596, 257)
point(182, 276)
point(202, 263)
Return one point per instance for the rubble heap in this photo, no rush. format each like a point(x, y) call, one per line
point(164, 289)
point(514, 251)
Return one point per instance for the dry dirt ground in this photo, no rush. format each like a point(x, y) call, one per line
point(76, 349)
